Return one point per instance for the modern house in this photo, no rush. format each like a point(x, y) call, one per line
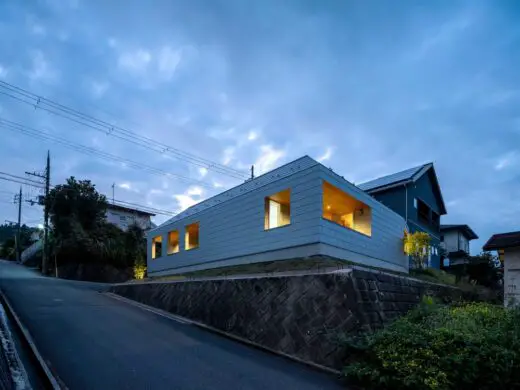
point(298, 210)
point(123, 217)
point(415, 195)
point(455, 243)
point(508, 247)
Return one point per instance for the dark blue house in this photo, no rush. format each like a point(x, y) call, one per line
point(415, 194)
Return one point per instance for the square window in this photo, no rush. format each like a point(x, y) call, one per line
point(173, 242)
point(191, 237)
point(156, 247)
point(277, 210)
point(345, 210)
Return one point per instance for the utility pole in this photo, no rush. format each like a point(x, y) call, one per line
point(18, 198)
point(46, 247)
point(252, 171)
point(113, 191)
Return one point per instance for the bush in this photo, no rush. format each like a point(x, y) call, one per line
point(466, 346)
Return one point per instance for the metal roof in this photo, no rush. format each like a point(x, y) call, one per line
point(503, 240)
point(464, 228)
point(248, 186)
point(394, 178)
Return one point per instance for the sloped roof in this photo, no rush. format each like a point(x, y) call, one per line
point(503, 240)
point(464, 228)
point(403, 177)
point(285, 170)
point(393, 179)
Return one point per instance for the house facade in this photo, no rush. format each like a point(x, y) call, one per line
point(455, 241)
point(508, 247)
point(123, 217)
point(415, 195)
point(299, 210)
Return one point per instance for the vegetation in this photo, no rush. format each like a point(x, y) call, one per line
point(80, 232)
point(417, 246)
point(7, 239)
point(484, 269)
point(463, 346)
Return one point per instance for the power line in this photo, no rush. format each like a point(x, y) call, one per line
point(39, 102)
point(29, 131)
point(152, 210)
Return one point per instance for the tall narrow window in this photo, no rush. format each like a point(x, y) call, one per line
point(345, 210)
point(173, 242)
point(278, 209)
point(191, 238)
point(156, 247)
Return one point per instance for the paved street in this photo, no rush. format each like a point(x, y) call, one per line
point(95, 342)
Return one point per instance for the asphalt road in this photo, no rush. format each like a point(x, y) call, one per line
point(96, 342)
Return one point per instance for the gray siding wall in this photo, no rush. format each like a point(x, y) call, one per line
point(384, 246)
point(451, 241)
point(236, 228)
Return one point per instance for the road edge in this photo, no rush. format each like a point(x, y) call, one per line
point(241, 340)
point(52, 380)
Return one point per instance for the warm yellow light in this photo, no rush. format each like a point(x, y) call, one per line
point(328, 207)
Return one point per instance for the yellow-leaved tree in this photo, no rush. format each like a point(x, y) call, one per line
point(417, 246)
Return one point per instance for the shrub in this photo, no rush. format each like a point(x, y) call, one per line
point(465, 346)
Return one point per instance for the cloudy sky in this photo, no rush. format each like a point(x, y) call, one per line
point(369, 88)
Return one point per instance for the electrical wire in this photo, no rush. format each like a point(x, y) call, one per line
point(38, 134)
point(39, 102)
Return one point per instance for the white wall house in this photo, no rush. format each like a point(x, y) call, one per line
point(298, 210)
point(455, 240)
point(508, 247)
point(124, 216)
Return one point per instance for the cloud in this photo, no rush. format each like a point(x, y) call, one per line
point(168, 60)
point(203, 171)
point(506, 160)
point(194, 191)
point(125, 186)
point(229, 155)
point(135, 61)
point(217, 184)
point(269, 157)
point(252, 135)
point(3, 72)
point(327, 155)
point(98, 88)
point(41, 70)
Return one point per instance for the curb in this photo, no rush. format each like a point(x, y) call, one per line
point(51, 381)
point(241, 340)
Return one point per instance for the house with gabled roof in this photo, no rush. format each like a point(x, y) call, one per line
point(299, 210)
point(415, 194)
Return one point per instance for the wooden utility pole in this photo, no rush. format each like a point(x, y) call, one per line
point(18, 198)
point(46, 246)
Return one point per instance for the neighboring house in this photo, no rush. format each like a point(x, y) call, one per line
point(414, 194)
point(508, 247)
point(124, 216)
point(455, 243)
point(298, 210)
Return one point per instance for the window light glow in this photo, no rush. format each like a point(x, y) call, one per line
point(191, 237)
point(156, 247)
point(278, 209)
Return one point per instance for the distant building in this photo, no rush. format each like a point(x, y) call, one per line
point(124, 216)
point(414, 194)
point(508, 247)
point(455, 243)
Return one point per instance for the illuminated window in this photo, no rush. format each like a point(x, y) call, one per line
point(173, 242)
point(345, 210)
point(156, 247)
point(191, 238)
point(278, 209)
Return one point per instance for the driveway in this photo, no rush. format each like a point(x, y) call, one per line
point(96, 342)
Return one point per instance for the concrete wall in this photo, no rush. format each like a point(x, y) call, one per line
point(512, 276)
point(297, 315)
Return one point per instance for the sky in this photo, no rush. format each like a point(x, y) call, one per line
point(367, 88)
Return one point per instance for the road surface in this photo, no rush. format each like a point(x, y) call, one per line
point(96, 342)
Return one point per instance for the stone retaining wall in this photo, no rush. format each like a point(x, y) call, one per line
point(297, 315)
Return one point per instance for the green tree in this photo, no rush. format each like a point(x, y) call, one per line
point(417, 246)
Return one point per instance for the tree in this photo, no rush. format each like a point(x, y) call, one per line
point(484, 269)
point(417, 246)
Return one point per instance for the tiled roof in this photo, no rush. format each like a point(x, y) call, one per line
point(503, 240)
point(394, 178)
point(464, 228)
point(250, 185)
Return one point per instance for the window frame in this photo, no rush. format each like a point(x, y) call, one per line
point(186, 235)
point(267, 208)
point(154, 250)
point(168, 253)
